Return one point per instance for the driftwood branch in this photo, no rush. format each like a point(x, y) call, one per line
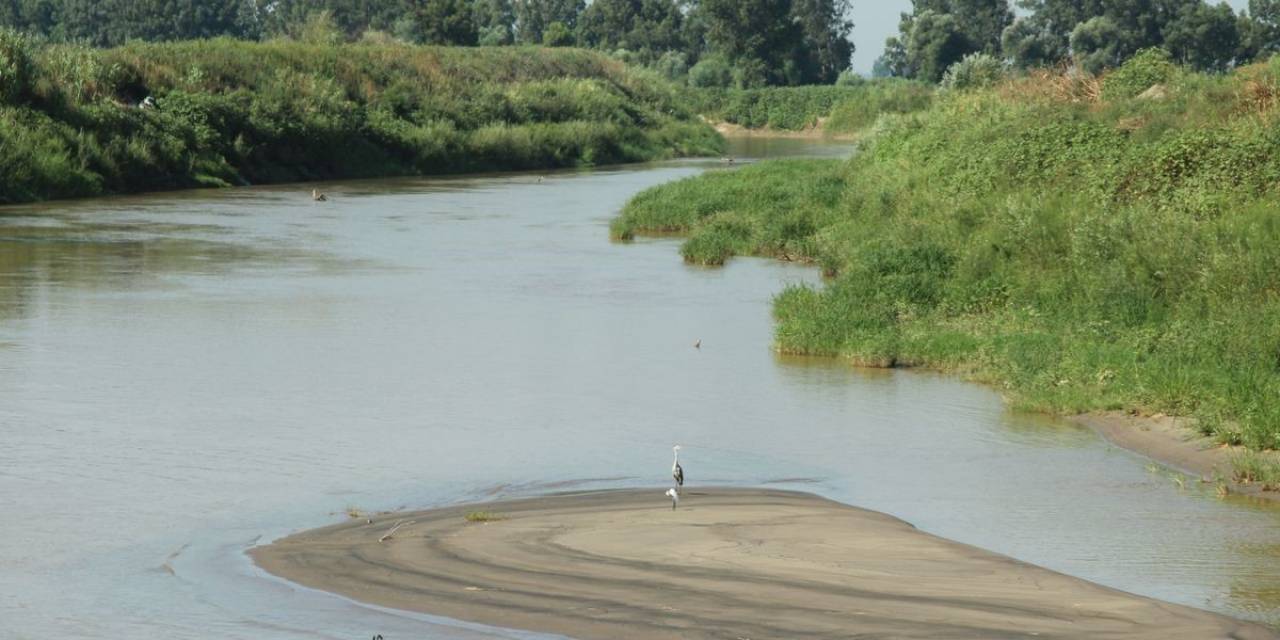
point(387, 536)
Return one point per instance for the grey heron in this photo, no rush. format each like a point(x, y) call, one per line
point(677, 472)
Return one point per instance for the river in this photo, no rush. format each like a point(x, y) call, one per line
point(184, 375)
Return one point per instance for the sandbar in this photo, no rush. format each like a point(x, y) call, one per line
point(728, 563)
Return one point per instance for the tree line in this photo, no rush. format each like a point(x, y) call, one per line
point(1093, 34)
point(746, 43)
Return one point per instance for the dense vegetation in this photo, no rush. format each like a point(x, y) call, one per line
point(1093, 34)
point(759, 41)
point(838, 108)
point(1081, 243)
point(233, 112)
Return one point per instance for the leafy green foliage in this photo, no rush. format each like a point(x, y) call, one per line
point(936, 41)
point(1149, 67)
point(711, 71)
point(236, 112)
point(15, 67)
point(647, 28)
point(1078, 255)
point(974, 71)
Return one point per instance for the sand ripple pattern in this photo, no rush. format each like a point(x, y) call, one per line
point(729, 563)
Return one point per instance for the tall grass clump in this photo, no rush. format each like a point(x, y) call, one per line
point(234, 112)
point(1079, 249)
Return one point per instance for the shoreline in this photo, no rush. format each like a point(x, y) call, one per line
point(817, 132)
point(751, 563)
point(1171, 442)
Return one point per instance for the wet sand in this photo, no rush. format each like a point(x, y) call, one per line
point(729, 563)
point(1173, 442)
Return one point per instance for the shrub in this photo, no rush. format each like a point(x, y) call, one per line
point(557, 35)
point(1146, 68)
point(673, 65)
point(711, 71)
point(974, 71)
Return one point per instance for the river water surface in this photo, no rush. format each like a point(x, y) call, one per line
point(183, 376)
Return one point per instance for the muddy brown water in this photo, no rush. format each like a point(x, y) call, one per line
point(185, 375)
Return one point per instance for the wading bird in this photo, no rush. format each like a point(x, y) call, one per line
point(698, 344)
point(675, 498)
point(676, 471)
point(317, 196)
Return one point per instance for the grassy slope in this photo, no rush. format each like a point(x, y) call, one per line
point(235, 112)
point(1080, 252)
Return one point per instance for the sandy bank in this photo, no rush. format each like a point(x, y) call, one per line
point(1173, 442)
point(730, 563)
point(818, 132)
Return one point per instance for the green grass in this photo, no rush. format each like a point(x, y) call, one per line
point(1078, 253)
point(483, 516)
point(844, 108)
point(234, 112)
point(1257, 468)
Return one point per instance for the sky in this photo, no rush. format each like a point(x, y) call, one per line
point(875, 20)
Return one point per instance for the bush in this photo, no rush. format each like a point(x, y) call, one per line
point(711, 71)
point(673, 65)
point(557, 35)
point(974, 71)
point(1145, 69)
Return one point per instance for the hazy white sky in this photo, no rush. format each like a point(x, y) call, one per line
point(875, 21)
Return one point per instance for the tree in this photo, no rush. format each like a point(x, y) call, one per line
point(557, 35)
point(758, 37)
point(938, 33)
point(981, 21)
point(826, 27)
point(647, 28)
point(1205, 37)
point(446, 22)
point(1027, 43)
point(1098, 43)
point(1260, 30)
point(495, 21)
point(936, 42)
point(534, 16)
point(711, 71)
point(1054, 20)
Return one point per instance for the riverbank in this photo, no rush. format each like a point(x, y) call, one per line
point(831, 110)
point(1080, 246)
point(744, 563)
point(77, 121)
point(817, 132)
point(1174, 442)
